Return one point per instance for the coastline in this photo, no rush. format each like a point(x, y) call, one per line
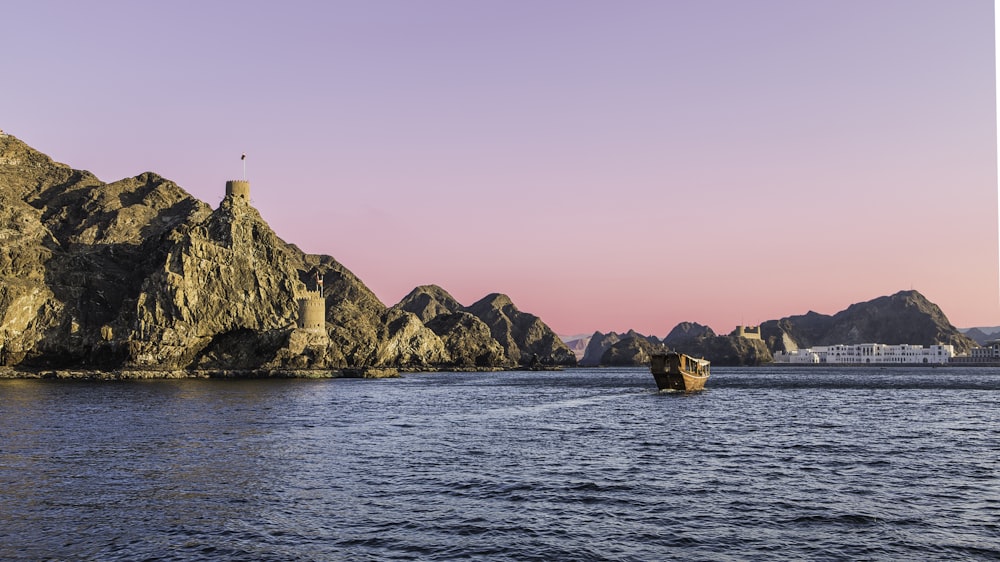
point(123, 374)
point(148, 374)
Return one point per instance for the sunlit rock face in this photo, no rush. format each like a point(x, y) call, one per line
point(906, 317)
point(139, 274)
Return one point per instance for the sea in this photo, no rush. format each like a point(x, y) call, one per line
point(768, 463)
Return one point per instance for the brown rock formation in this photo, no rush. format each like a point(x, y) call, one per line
point(492, 329)
point(905, 317)
point(138, 274)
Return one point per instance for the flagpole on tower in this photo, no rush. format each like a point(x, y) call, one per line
point(244, 159)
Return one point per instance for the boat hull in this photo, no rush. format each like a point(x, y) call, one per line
point(678, 372)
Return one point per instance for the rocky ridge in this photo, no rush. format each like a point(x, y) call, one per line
point(489, 330)
point(983, 335)
point(905, 317)
point(137, 276)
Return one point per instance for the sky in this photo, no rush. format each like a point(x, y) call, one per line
point(608, 165)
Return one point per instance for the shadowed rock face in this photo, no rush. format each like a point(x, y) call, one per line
point(693, 339)
point(491, 329)
point(467, 340)
point(227, 275)
point(137, 273)
point(75, 252)
point(521, 335)
point(428, 302)
point(905, 317)
point(632, 350)
point(982, 336)
point(598, 345)
point(686, 331)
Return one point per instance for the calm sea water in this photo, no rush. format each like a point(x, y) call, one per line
point(781, 463)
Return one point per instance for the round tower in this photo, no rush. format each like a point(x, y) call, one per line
point(312, 312)
point(238, 188)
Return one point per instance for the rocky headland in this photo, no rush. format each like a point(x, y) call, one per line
point(137, 278)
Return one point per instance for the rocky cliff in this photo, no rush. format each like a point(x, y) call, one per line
point(596, 348)
point(687, 331)
point(983, 335)
point(138, 274)
point(633, 349)
point(905, 317)
point(490, 331)
point(691, 338)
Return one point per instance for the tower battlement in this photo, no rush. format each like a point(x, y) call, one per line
point(238, 188)
point(312, 312)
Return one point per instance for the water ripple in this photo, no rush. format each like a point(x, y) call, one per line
point(833, 464)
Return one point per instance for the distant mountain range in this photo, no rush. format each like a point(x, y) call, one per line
point(982, 335)
point(905, 317)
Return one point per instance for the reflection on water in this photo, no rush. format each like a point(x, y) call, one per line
point(581, 464)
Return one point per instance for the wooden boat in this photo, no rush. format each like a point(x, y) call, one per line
point(676, 371)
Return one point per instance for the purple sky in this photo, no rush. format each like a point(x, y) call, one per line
point(609, 165)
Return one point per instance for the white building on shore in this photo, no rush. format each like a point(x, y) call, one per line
point(869, 353)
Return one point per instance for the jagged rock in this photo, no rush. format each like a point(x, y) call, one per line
point(244, 349)
point(228, 274)
point(984, 335)
point(727, 350)
point(468, 340)
point(793, 332)
point(407, 342)
point(139, 274)
point(521, 335)
point(517, 335)
point(632, 350)
point(686, 331)
point(905, 317)
point(429, 302)
point(28, 308)
point(598, 345)
point(77, 254)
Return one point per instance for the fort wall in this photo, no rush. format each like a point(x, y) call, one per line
point(748, 332)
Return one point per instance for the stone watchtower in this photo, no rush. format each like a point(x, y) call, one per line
point(238, 188)
point(312, 309)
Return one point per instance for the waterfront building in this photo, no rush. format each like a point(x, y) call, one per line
point(870, 353)
point(988, 354)
point(799, 356)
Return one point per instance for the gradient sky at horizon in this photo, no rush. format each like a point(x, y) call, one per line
point(608, 165)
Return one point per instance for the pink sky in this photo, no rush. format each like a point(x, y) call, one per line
point(608, 165)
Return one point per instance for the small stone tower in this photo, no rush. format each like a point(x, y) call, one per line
point(238, 188)
point(312, 309)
